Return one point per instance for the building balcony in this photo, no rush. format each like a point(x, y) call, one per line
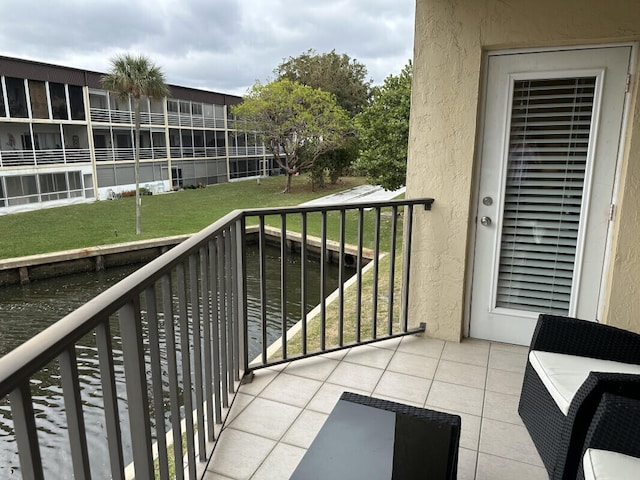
point(105, 115)
point(258, 392)
point(35, 158)
point(127, 154)
point(274, 419)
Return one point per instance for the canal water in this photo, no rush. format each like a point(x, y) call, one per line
point(29, 309)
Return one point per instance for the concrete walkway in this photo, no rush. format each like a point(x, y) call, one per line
point(363, 193)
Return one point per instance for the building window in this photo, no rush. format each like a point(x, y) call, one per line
point(98, 100)
point(219, 109)
point(53, 186)
point(75, 184)
point(88, 184)
point(3, 111)
point(172, 106)
point(21, 189)
point(38, 97)
point(76, 102)
point(58, 101)
point(221, 141)
point(17, 97)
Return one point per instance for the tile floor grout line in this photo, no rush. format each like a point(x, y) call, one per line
point(302, 410)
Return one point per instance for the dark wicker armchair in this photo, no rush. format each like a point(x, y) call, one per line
point(560, 437)
point(615, 427)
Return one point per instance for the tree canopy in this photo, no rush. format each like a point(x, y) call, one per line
point(137, 77)
point(296, 123)
point(384, 131)
point(342, 76)
point(334, 73)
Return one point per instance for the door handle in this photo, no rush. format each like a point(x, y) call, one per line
point(485, 221)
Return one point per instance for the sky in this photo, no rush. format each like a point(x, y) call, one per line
point(220, 45)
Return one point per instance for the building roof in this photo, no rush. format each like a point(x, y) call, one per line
point(33, 70)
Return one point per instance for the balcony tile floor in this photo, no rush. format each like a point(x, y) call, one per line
point(274, 419)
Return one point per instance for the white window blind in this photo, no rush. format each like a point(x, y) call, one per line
point(549, 138)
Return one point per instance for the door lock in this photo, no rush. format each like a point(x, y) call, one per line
point(485, 221)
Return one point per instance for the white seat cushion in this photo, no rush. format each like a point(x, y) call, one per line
point(604, 465)
point(564, 374)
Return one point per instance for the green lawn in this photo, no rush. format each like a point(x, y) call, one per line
point(108, 222)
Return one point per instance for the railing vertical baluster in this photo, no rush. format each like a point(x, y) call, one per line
point(224, 387)
point(75, 418)
point(197, 354)
point(136, 383)
point(110, 399)
point(234, 299)
point(156, 377)
point(303, 274)
point(359, 275)
point(172, 372)
point(392, 267)
point(206, 340)
point(283, 283)
point(406, 265)
point(323, 274)
point(243, 349)
point(186, 369)
point(263, 289)
point(376, 272)
point(24, 424)
point(215, 328)
point(229, 309)
point(341, 280)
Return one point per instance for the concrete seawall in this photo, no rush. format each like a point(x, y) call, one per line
point(37, 267)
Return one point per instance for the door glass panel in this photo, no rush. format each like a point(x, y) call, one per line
point(548, 144)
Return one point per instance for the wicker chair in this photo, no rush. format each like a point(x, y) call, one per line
point(614, 428)
point(559, 435)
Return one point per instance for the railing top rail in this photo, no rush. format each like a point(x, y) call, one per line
point(427, 202)
point(35, 353)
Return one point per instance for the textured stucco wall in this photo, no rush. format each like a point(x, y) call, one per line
point(622, 307)
point(450, 38)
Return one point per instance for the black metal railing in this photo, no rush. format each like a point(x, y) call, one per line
point(175, 338)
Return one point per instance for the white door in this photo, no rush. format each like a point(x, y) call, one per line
point(550, 142)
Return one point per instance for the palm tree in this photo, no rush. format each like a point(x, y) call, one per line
point(135, 77)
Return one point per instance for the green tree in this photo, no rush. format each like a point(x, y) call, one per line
point(334, 73)
point(342, 76)
point(384, 131)
point(295, 122)
point(135, 77)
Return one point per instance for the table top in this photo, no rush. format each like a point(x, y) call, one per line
point(369, 438)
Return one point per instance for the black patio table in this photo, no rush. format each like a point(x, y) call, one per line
point(369, 438)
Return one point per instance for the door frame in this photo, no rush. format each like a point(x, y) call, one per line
point(477, 159)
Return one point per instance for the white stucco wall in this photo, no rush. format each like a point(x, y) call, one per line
point(450, 39)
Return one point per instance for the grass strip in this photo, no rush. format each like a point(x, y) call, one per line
point(184, 212)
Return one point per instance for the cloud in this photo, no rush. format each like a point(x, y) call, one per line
point(222, 45)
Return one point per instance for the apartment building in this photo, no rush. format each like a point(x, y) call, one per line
point(64, 139)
